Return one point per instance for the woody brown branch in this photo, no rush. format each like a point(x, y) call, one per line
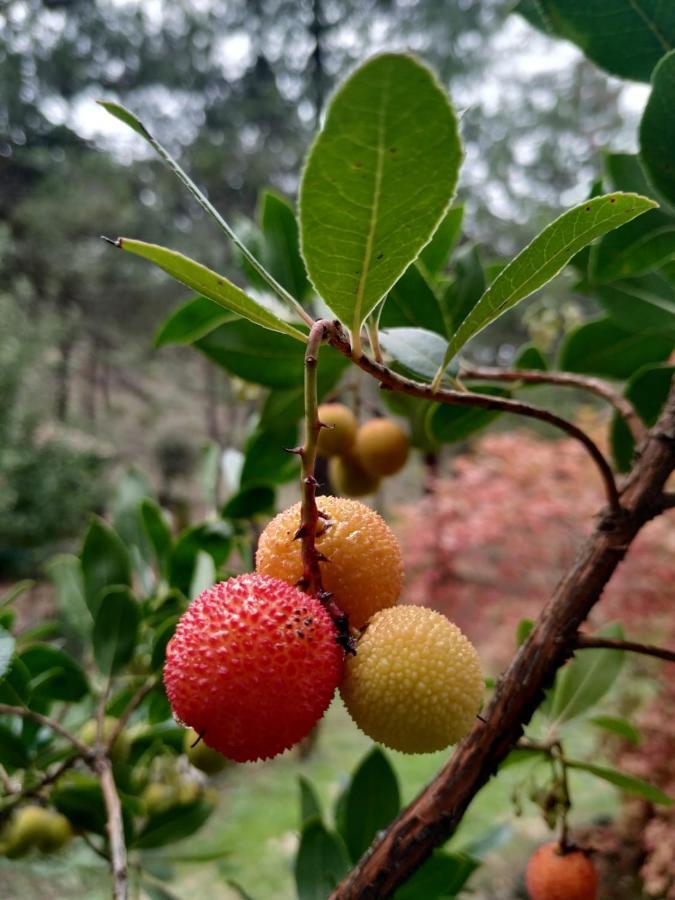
point(433, 817)
point(587, 642)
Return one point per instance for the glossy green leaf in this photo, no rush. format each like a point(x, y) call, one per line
point(115, 629)
point(81, 801)
point(546, 256)
point(412, 303)
point(657, 129)
point(209, 284)
point(530, 357)
point(647, 390)
point(373, 800)
point(282, 243)
point(466, 288)
point(434, 256)
point(618, 726)
point(635, 249)
point(191, 321)
point(625, 37)
point(65, 572)
point(320, 863)
point(416, 411)
point(448, 424)
point(627, 783)
point(7, 644)
point(105, 562)
point(416, 350)
point(54, 674)
point(585, 680)
point(162, 636)
point(641, 305)
point(204, 574)
point(214, 538)
point(13, 752)
point(523, 631)
point(157, 531)
point(172, 825)
point(249, 502)
point(377, 182)
point(443, 875)
point(265, 459)
point(601, 347)
point(15, 684)
point(310, 805)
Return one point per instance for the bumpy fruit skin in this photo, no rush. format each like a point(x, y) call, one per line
point(382, 447)
point(364, 572)
point(553, 876)
point(119, 751)
point(252, 666)
point(415, 683)
point(339, 438)
point(202, 757)
point(349, 478)
point(35, 827)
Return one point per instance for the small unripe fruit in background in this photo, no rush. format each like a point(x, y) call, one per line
point(252, 666)
point(35, 827)
point(339, 438)
point(158, 797)
point(415, 683)
point(382, 447)
point(552, 875)
point(119, 752)
point(349, 478)
point(202, 757)
point(364, 572)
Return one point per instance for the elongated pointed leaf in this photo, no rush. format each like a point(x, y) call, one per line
point(105, 562)
point(618, 726)
point(209, 284)
point(115, 630)
point(628, 783)
point(157, 531)
point(310, 805)
point(192, 321)
point(282, 243)
point(419, 351)
point(321, 861)
point(372, 801)
point(601, 347)
point(412, 303)
point(647, 390)
point(377, 182)
point(657, 129)
point(65, 572)
point(435, 255)
point(546, 256)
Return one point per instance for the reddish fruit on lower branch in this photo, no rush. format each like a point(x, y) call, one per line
point(253, 666)
point(552, 875)
point(362, 566)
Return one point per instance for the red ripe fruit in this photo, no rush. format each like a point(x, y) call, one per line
point(252, 666)
point(552, 875)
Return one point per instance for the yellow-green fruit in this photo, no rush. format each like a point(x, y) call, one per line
point(35, 827)
point(119, 751)
point(415, 683)
point(364, 572)
point(340, 434)
point(158, 797)
point(202, 757)
point(349, 478)
point(382, 447)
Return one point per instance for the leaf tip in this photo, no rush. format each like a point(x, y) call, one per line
point(115, 242)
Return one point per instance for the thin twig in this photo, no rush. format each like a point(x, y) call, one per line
point(391, 380)
point(114, 825)
point(85, 751)
point(586, 642)
point(564, 379)
point(37, 789)
point(92, 846)
point(133, 704)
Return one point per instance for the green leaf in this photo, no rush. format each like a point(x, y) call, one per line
point(648, 391)
point(209, 284)
point(193, 320)
point(15, 591)
point(618, 726)
point(282, 243)
point(320, 863)
point(13, 753)
point(115, 629)
point(310, 805)
point(54, 674)
point(657, 128)
point(530, 357)
point(636, 248)
point(523, 631)
point(162, 637)
point(65, 572)
point(204, 574)
point(105, 562)
point(81, 801)
point(467, 287)
point(373, 800)
point(173, 825)
point(633, 305)
point(625, 37)
point(416, 411)
point(435, 255)
point(7, 643)
point(585, 680)
point(448, 424)
point(601, 347)
point(377, 182)
point(266, 461)
point(628, 783)
point(249, 502)
point(157, 531)
point(214, 538)
point(417, 350)
point(546, 256)
point(15, 684)
point(411, 302)
point(443, 875)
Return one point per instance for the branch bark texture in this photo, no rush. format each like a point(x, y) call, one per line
point(434, 815)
